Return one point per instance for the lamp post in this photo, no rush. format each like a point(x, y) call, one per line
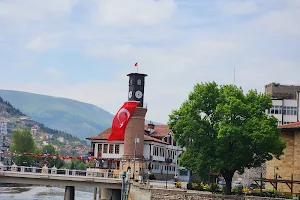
point(136, 140)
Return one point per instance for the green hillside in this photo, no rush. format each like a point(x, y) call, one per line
point(74, 117)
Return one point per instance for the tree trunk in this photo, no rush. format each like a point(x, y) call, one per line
point(228, 178)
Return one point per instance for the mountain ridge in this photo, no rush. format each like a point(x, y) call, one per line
point(78, 118)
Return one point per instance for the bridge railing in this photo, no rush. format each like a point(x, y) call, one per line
point(59, 172)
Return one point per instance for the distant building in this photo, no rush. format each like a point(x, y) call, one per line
point(50, 136)
point(61, 139)
point(35, 131)
point(3, 135)
point(285, 101)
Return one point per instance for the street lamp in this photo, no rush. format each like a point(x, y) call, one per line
point(136, 140)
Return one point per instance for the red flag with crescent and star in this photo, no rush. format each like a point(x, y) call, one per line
point(121, 120)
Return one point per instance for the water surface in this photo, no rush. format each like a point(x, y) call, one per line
point(42, 193)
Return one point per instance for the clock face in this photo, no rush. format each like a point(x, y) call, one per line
point(130, 94)
point(138, 94)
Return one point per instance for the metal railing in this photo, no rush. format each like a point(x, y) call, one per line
point(58, 172)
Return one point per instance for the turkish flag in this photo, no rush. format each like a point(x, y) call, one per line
point(136, 64)
point(121, 120)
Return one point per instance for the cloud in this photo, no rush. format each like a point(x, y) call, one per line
point(33, 10)
point(119, 13)
point(53, 72)
point(45, 42)
point(240, 7)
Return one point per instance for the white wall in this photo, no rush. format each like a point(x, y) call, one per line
point(109, 155)
point(284, 118)
point(147, 152)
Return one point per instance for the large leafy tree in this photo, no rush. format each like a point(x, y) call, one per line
point(225, 130)
point(23, 143)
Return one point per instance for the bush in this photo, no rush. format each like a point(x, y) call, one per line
point(178, 184)
point(238, 190)
point(213, 188)
point(195, 186)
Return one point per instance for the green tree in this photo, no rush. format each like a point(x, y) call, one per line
point(23, 143)
point(225, 130)
point(50, 161)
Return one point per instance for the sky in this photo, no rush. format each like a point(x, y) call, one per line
point(83, 49)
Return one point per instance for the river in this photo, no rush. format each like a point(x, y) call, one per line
point(42, 193)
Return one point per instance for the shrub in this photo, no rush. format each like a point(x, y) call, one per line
point(238, 190)
point(178, 184)
point(195, 186)
point(213, 188)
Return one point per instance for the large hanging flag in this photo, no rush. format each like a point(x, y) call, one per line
point(121, 120)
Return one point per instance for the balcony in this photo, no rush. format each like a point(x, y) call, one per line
point(168, 160)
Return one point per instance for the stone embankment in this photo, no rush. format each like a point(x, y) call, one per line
point(143, 193)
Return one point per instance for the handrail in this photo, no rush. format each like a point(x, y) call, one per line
point(60, 172)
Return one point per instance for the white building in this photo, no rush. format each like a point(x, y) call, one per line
point(160, 152)
point(35, 131)
point(3, 126)
point(3, 135)
point(285, 102)
point(61, 139)
point(285, 110)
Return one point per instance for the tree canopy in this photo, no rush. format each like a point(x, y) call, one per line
point(225, 130)
point(23, 142)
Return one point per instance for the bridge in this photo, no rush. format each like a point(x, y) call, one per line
point(110, 184)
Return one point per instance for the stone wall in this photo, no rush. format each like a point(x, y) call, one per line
point(140, 193)
point(288, 164)
point(282, 91)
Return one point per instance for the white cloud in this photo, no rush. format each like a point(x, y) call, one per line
point(120, 13)
point(240, 7)
point(44, 42)
point(285, 21)
point(53, 72)
point(34, 9)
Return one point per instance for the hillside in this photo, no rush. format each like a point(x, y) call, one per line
point(12, 115)
point(74, 117)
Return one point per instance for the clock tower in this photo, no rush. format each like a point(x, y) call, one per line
point(136, 88)
point(135, 130)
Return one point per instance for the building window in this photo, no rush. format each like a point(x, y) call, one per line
point(105, 148)
point(275, 110)
point(165, 139)
point(174, 143)
point(183, 172)
point(100, 148)
point(111, 148)
point(117, 149)
point(139, 82)
point(289, 110)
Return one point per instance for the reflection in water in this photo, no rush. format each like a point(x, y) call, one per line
point(42, 193)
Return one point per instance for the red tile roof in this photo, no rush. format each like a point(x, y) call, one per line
point(104, 136)
point(159, 130)
point(290, 126)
